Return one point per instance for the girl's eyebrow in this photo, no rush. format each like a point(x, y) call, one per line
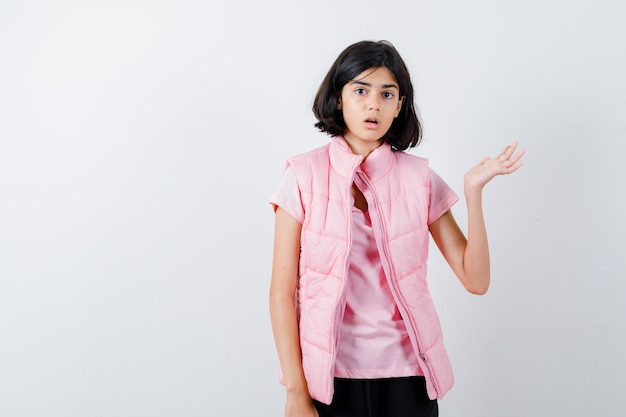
point(369, 84)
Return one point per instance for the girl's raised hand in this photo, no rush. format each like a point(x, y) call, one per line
point(505, 163)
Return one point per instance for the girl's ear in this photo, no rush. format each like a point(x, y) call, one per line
point(338, 103)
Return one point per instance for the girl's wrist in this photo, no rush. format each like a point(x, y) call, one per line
point(297, 388)
point(472, 190)
point(298, 394)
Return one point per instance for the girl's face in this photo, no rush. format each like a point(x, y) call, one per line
point(369, 104)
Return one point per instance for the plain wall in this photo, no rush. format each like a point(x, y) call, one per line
point(141, 140)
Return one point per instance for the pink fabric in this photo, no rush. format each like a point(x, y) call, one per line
point(404, 196)
point(287, 196)
point(373, 341)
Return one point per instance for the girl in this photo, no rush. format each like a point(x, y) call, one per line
point(355, 327)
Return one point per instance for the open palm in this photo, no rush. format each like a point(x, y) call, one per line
point(506, 163)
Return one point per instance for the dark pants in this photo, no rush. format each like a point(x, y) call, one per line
point(387, 397)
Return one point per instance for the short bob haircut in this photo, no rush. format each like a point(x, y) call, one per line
point(406, 130)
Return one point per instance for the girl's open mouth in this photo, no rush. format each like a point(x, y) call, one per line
point(371, 122)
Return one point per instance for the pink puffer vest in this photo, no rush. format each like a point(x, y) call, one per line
point(396, 186)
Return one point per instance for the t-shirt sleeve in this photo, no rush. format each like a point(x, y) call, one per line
point(287, 196)
point(441, 197)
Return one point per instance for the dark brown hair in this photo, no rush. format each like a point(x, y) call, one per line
point(406, 130)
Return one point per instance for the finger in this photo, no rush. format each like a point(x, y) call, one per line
point(508, 151)
point(513, 145)
point(515, 167)
point(517, 156)
point(514, 163)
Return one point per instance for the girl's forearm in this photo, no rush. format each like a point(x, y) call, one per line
point(286, 337)
point(476, 256)
point(476, 269)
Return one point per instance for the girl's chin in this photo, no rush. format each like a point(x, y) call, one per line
point(363, 138)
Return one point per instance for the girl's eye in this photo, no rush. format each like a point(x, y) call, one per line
point(360, 91)
point(387, 94)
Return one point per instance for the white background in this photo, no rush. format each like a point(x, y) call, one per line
point(140, 142)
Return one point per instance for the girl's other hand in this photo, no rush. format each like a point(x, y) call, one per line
point(505, 163)
point(299, 405)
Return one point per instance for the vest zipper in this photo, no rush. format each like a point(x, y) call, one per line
point(381, 239)
point(341, 304)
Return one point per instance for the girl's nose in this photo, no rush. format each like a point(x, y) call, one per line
point(374, 103)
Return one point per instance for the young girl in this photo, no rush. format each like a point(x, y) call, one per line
point(355, 327)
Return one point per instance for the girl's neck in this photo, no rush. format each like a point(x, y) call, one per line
point(362, 148)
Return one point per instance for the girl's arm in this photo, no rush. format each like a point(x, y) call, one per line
point(283, 314)
point(469, 258)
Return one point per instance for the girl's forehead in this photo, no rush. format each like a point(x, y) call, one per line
point(377, 75)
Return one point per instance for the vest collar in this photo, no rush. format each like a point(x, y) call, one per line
point(377, 164)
